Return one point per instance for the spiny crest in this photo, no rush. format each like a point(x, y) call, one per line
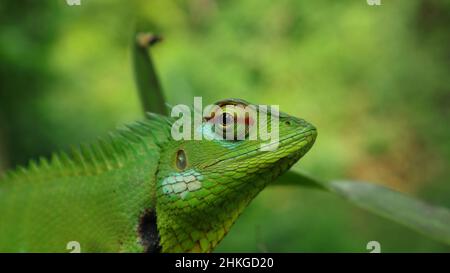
point(105, 154)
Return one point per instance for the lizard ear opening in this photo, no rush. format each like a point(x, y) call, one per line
point(181, 160)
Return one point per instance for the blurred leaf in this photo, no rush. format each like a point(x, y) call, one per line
point(147, 82)
point(432, 221)
point(298, 179)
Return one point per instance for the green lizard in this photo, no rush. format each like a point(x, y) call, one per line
point(139, 190)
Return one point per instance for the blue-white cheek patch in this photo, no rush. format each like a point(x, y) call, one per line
point(182, 183)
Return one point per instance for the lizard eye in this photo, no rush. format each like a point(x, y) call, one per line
point(237, 122)
point(233, 118)
point(181, 160)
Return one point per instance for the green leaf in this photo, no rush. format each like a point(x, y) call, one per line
point(292, 178)
point(432, 221)
point(151, 94)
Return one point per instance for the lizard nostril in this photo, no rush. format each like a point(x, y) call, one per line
point(287, 122)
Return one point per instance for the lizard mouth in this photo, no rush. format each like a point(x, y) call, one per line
point(291, 148)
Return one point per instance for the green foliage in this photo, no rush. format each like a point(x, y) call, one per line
point(430, 220)
point(374, 80)
point(147, 82)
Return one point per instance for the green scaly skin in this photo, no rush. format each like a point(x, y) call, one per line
point(101, 194)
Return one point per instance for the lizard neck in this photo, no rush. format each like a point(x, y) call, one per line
point(199, 232)
point(201, 223)
point(197, 221)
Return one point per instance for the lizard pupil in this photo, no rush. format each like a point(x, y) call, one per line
point(227, 119)
point(181, 160)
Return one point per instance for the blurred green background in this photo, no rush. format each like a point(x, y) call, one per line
point(373, 79)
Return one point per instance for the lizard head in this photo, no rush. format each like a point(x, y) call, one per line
point(203, 185)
